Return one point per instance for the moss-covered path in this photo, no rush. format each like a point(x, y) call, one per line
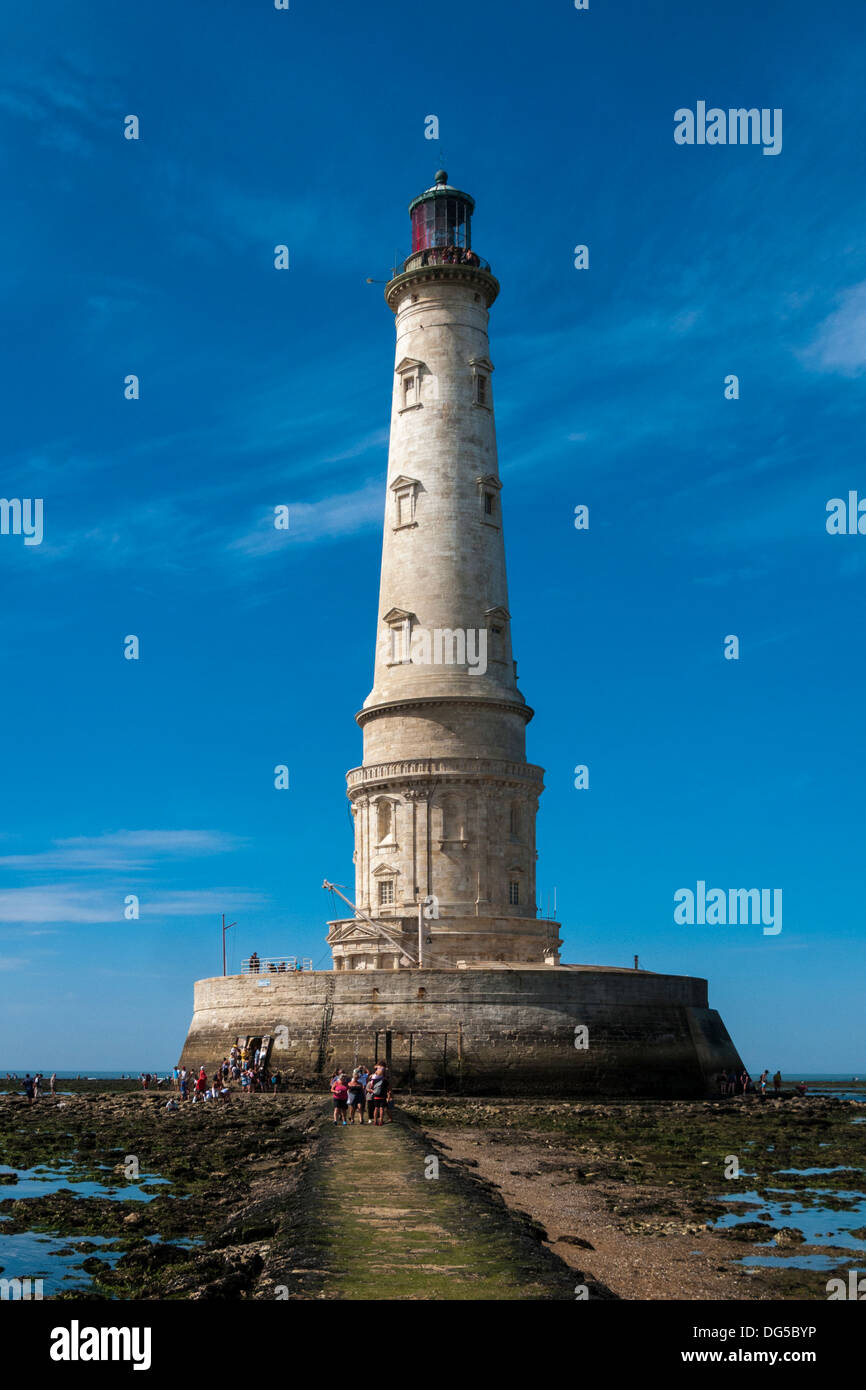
point(382, 1229)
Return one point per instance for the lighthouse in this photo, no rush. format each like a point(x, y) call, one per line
point(444, 803)
point(445, 969)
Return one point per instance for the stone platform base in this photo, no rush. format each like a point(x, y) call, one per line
point(486, 1031)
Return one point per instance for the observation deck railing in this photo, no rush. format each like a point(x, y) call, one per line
point(445, 255)
point(275, 965)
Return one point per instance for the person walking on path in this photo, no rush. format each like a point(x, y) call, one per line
point(368, 1094)
point(363, 1077)
point(356, 1097)
point(340, 1092)
point(378, 1086)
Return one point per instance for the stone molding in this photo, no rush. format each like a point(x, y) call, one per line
point(455, 769)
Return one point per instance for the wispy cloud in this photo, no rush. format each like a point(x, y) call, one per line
point(840, 342)
point(67, 904)
point(123, 850)
point(309, 522)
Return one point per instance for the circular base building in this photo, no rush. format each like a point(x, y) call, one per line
point(571, 1030)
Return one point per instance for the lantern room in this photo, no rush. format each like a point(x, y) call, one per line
point(441, 217)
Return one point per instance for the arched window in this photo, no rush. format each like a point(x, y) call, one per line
point(514, 820)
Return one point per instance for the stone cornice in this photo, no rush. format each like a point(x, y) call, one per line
point(421, 701)
point(454, 769)
point(472, 275)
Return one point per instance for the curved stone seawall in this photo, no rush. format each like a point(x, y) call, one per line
point(482, 1031)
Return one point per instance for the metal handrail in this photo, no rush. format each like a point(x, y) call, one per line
point(445, 255)
point(276, 965)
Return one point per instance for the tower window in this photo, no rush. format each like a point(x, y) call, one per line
point(384, 822)
point(405, 492)
point(513, 892)
point(408, 390)
point(386, 892)
point(489, 501)
point(481, 397)
point(514, 821)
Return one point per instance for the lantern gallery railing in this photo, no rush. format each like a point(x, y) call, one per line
point(275, 965)
point(445, 255)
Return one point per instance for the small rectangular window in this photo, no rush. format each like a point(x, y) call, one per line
point(386, 892)
point(408, 389)
point(514, 893)
point(488, 504)
point(480, 390)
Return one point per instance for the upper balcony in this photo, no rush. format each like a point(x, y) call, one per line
point(445, 255)
point(440, 262)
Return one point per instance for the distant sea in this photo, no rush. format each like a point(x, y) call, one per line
point(87, 1075)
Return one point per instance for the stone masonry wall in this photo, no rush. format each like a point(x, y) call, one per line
point(510, 1032)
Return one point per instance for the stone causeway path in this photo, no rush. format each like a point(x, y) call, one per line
point(386, 1231)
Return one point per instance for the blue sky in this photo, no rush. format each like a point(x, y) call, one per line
point(259, 387)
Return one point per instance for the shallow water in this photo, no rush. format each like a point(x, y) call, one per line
point(43, 1181)
point(822, 1262)
point(35, 1255)
point(819, 1224)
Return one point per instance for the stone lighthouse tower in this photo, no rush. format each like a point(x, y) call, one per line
point(445, 969)
point(444, 803)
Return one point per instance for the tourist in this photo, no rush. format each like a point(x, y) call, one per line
point(54, 1083)
point(368, 1096)
point(363, 1077)
point(732, 1082)
point(745, 1081)
point(356, 1097)
point(28, 1087)
point(340, 1092)
point(176, 1078)
point(777, 1082)
point(275, 1082)
point(37, 1085)
point(763, 1081)
point(254, 963)
point(801, 1088)
point(171, 1104)
point(378, 1089)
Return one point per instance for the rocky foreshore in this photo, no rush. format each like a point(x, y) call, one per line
point(239, 1200)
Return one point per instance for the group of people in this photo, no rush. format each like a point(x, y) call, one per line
point(249, 1068)
point(254, 965)
point(730, 1084)
point(450, 255)
point(363, 1091)
point(34, 1085)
